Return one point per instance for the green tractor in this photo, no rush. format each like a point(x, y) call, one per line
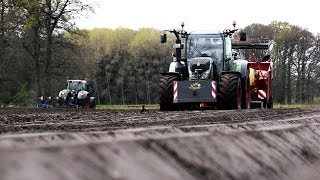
point(205, 72)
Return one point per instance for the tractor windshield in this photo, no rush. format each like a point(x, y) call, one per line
point(205, 45)
point(76, 86)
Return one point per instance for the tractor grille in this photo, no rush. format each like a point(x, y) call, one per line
point(201, 64)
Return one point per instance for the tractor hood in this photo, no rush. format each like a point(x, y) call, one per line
point(64, 93)
point(200, 67)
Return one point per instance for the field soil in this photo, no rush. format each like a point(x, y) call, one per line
point(107, 144)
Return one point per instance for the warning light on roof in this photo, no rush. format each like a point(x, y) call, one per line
point(182, 24)
point(234, 23)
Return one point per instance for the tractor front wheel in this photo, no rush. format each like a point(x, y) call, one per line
point(166, 92)
point(230, 95)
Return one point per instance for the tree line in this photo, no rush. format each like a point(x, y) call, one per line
point(296, 57)
point(40, 46)
point(34, 49)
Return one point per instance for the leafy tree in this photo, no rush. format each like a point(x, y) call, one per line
point(295, 60)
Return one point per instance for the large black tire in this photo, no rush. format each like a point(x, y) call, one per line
point(270, 103)
point(230, 92)
point(87, 103)
point(92, 103)
point(166, 92)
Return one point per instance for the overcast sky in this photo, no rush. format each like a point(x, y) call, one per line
point(200, 14)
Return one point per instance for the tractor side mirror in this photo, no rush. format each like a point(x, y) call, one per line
point(243, 36)
point(163, 38)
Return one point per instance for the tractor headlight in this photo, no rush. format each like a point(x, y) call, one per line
point(62, 93)
point(205, 75)
point(177, 46)
point(193, 76)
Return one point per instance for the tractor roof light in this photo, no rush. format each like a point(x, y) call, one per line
point(234, 23)
point(182, 25)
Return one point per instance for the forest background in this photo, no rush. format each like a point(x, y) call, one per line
point(41, 46)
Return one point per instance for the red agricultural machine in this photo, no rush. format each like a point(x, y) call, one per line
point(209, 70)
point(257, 52)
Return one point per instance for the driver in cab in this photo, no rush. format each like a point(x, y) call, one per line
point(207, 48)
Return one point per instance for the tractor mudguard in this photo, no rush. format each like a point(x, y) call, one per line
point(240, 66)
point(64, 93)
point(92, 99)
point(179, 67)
point(82, 94)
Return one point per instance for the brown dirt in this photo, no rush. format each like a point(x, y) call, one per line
point(80, 144)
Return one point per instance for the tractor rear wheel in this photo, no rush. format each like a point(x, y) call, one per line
point(166, 92)
point(230, 96)
point(87, 102)
point(93, 105)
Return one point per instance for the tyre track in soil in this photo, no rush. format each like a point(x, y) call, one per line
point(71, 120)
point(253, 144)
